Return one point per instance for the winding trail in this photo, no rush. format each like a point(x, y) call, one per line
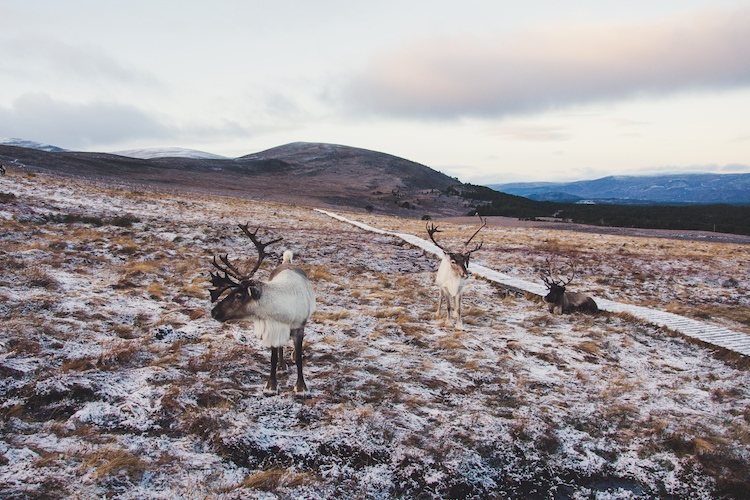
point(720, 337)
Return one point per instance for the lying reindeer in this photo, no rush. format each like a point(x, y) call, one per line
point(452, 274)
point(561, 301)
point(280, 306)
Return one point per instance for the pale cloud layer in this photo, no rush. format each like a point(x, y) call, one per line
point(538, 69)
point(45, 56)
point(89, 124)
point(485, 90)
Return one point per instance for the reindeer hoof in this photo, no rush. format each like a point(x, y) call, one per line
point(301, 392)
point(270, 390)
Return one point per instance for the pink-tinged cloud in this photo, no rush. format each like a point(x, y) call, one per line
point(556, 66)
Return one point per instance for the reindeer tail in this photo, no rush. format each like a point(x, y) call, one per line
point(288, 255)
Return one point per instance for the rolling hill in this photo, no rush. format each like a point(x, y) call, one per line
point(308, 173)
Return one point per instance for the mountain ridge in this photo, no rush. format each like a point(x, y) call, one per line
point(22, 143)
point(317, 174)
point(693, 188)
point(168, 152)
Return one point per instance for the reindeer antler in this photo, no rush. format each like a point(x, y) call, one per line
point(550, 281)
point(431, 230)
point(546, 275)
point(572, 275)
point(233, 277)
point(483, 222)
point(258, 245)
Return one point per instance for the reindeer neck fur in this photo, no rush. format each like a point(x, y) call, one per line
point(285, 303)
point(449, 276)
point(277, 306)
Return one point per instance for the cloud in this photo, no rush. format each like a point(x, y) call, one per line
point(33, 54)
point(69, 125)
point(467, 75)
point(532, 133)
point(81, 126)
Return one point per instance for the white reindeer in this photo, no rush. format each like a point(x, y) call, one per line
point(280, 306)
point(452, 274)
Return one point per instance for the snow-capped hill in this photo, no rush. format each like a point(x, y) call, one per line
point(21, 143)
point(150, 153)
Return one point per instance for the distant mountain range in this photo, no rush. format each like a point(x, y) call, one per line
point(324, 175)
point(21, 143)
point(347, 176)
point(151, 153)
point(632, 190)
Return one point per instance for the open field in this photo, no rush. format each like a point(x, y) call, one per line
point(116, 382)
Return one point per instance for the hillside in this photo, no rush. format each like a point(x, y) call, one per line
point(336, 176)
point(324, 175)
point(678, 188)
point(378, 171)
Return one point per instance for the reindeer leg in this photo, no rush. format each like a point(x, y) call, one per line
point(282, 361)
point(440, 302)
point(300, 389)
point(448, 308)
point(457, 313)
point(272, 388)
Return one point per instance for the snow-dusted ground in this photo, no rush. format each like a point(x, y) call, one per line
point(116, 383)
point(712, 334)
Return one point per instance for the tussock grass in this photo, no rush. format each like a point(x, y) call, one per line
point(273, 479)
point(37, 276)
point(156, 290)
point(114, 461)
point(332, 317)
point(319, 273)
point(393, 313)
point(78, 365)
point(125, 331)
point(121, 354)
point(415, 330)
point(591, 348)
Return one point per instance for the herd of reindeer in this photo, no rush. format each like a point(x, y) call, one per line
point(281, 306)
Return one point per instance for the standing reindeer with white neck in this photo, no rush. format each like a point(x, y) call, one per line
point(452, 274)
point(280, 306)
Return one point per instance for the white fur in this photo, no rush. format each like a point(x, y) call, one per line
point(447, 280)
point(451, 286)
point(272, 333)
point(286, 303)
point(288, 255)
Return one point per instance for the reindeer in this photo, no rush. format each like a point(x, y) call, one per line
point(452, 274)
point(560, 301)
point(280, 306)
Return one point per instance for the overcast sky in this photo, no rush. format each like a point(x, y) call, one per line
point(489, 91)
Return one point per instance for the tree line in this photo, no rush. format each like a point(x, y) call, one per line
point(723, 218)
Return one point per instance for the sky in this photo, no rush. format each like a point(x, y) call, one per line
point(488, 91)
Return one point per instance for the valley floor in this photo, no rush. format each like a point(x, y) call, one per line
point(116, 382)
